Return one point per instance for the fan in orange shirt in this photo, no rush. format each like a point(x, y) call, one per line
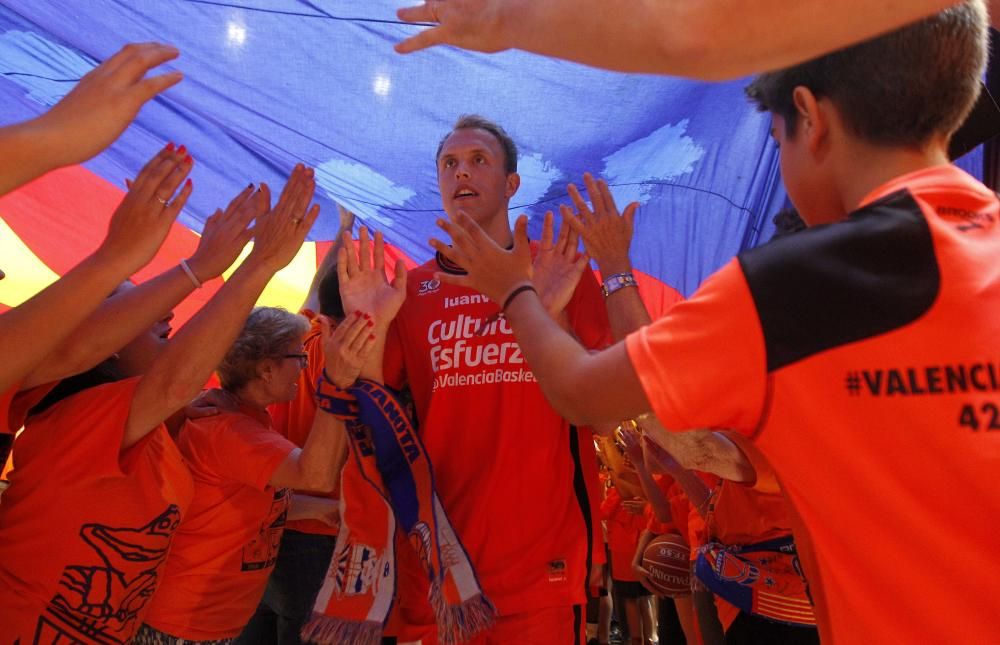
point(87, 120)
point(98, 486)
point(625, 522)
point(742, 511)
point(227, 544)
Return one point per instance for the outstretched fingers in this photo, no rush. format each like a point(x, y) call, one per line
point(547, 232)
point(364, 250)
point(582, 209)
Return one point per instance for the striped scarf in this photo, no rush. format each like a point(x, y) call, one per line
point(389, 482)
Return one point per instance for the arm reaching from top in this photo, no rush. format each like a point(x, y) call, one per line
point(89, 118)
point(706, 39)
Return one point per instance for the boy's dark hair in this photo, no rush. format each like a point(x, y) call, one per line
point(900, 89)
point(786, 222)
point(328, 291)
point(476, 122)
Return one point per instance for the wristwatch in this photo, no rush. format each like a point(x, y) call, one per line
point(617, 281)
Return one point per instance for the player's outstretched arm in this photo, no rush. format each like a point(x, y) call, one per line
point(584, 388)
point(89, 118)
point(607, 236)
point(706, 39)
point(181, 370)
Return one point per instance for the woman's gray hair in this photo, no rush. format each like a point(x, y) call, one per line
point(266, 334)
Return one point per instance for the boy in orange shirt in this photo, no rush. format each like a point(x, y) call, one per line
point(854, 355)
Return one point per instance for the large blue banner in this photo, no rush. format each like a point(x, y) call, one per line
point(273, 82)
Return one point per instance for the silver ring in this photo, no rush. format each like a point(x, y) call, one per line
point(161, 200)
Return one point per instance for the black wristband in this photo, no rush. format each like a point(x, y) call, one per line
point(515, 293)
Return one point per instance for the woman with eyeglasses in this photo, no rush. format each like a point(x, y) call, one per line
point(244, 472)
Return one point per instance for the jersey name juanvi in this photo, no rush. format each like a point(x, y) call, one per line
point(468, 348)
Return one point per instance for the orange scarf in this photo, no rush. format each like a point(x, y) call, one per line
point(389, 482)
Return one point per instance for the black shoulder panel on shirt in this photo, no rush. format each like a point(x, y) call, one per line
point(832, 285)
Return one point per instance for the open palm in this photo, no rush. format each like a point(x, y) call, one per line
point(363, 283)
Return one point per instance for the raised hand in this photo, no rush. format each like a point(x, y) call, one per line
point(105, 102)
point(225, 234)
point(210, 403)
point(558, 266)
point(606, 234)
point(490, 269)
point(363, 283)
point(631, 443)
point(141, 222)
point(346, 348)
point(281, 230)
point(470, 24)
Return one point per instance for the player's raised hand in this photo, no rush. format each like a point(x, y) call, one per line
point(479, 25)
point(558, 266)
point(606, 233)
point(490, 269)
point(105, 102)
point(281, 230)
point(364, 286)
point(141, 222)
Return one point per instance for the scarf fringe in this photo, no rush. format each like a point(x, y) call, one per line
point(461, 622)
point(330, 630)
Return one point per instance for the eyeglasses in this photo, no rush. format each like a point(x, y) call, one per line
point(303, 359)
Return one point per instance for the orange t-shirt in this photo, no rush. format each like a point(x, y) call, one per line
point(509, 470)
point(866, 373)
point(624, 529)
point(84, 526)
point(228, 542)
point(294, 419)
point(741, 515)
